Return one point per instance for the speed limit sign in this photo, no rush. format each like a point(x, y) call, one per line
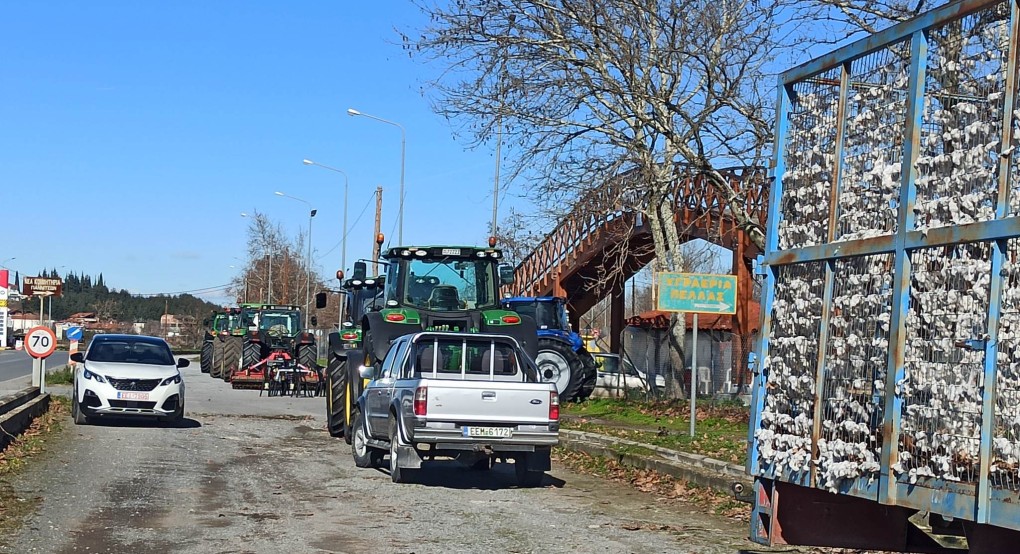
point(40, 342)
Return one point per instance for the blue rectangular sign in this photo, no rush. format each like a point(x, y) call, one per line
point(697, 292)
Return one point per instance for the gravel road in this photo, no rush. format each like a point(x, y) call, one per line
point(250, 474)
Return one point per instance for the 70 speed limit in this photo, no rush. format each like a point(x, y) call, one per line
point(40, 342)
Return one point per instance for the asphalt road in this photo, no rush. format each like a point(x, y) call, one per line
point(251, 474)
point(16, 367)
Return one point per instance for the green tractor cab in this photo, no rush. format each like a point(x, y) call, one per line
point(425, 288)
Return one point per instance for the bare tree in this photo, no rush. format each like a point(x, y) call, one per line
point(585, 91)
point(275, 262)
point(871, 16)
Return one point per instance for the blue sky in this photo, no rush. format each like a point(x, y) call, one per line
point(133, 134)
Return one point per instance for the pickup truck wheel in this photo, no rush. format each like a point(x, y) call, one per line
point(526, 477)
point(397, 474)
point(364, 455)
point(336, 396)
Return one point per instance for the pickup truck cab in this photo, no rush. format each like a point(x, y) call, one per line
point(470, 396)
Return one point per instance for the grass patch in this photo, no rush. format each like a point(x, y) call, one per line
point(649, 481)
point(720, 431)
point(13, 460)
point(62, 376)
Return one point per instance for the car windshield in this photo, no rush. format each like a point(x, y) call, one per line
point(131, 352)
point(449, 284)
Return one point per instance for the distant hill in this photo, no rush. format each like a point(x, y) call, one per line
point(83, 293)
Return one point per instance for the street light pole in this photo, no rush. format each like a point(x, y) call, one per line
point(308, 258)
point(343, 234)
point(403, 141)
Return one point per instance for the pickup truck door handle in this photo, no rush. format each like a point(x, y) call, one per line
point(488, 395)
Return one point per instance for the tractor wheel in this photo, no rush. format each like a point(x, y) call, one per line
point(231, 357)
point(307, 356)
point(336, 395)
point(560, 365)
point(590, 376)
point(251, 355)
point(206, 359)
point(217, 358)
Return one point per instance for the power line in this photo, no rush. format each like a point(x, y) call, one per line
point(346, 231)
point(197, 291)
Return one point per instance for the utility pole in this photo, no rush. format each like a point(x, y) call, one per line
point(378, 222)
point(166, 310)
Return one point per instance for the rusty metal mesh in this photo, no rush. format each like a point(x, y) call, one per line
point(856, 357)
point(810, 156)
point(941, 392)
point(876, 113)
point(1005, 466)
point(784, 438)
point(961, 134)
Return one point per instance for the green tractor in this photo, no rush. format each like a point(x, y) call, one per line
point(226, 343)
point(275, 339)
point(430, 288)
point(214, 325)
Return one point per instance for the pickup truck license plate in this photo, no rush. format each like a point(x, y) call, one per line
point(498, 432)
point(133, 395)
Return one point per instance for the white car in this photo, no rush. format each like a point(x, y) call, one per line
point(616, 376)
point(128, 375)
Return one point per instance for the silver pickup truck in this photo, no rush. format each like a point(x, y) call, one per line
point(473, 397)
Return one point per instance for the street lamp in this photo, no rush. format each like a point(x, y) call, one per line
point(343, 235)
point(403, 136)
point(269, 260)
point(308, 259)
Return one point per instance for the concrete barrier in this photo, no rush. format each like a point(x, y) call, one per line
point(693, 468)
point(18, 410)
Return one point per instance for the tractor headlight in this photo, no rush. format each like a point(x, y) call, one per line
point(94, 376)
point(174, 380)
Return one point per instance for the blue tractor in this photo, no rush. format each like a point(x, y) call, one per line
point(562, 358)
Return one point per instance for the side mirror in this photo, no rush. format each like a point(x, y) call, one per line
point(367, 372)
point(320, 300)
point(360, 271)
point(506, 274)
point(315, 321)
point(183, 362)
point(78, 357)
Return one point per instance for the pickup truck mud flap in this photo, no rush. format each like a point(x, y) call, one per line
point(407, 457)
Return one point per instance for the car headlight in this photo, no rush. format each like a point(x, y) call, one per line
point(176, 379)
point(89, 375)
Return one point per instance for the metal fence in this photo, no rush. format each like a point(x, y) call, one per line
point(889, 366)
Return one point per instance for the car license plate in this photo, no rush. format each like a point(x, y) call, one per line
point(133, 395)
point(498, 432)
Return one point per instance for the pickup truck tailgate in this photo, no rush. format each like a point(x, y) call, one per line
point(488, 401)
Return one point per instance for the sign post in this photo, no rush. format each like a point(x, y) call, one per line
point(40, 342)
point(696, 293)
point(4, 277)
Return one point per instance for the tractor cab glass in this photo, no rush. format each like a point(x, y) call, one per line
point(445, 284)
point(547, 315)
point(280, 323)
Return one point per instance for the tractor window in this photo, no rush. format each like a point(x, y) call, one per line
point(283, 323)
point(545, 314)
point(449, 284)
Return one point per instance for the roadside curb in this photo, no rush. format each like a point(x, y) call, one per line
point(18, 410)
point(694, 468)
